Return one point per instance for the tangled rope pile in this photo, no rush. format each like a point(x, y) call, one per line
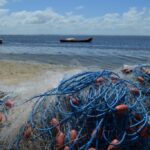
point(89, 111)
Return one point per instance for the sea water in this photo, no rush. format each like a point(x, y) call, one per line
point(109, 50)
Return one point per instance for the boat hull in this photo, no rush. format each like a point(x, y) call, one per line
point(1, 41)
point(76, 40)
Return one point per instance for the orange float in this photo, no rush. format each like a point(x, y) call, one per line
point(9, 103)
point(137, 117)
point(66, 148)
point(114, 79)
point(54, 122)
point(113, 145)
point(140, 79)
point(75, 101)
point(134, 91)
point(121, 109)
point(73, 135)
point(146, 71)
point(60, 139)
point(145, 132)
point(126, 71)
point(100, 80)
point(91, 148)
point(28, 132)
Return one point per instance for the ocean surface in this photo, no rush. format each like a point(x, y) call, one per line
point(105, 51)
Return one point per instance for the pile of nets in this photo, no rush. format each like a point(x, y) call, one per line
point(90, 111)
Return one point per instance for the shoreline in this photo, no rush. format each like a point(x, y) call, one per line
point(98, 62)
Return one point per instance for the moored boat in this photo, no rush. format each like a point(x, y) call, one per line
point(1, 41)
point(76, 40)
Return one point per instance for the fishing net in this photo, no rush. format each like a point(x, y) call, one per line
point(90, 110)
point(6, 103)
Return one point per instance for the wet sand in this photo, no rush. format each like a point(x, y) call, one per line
point(13, 72)
point(104, 62)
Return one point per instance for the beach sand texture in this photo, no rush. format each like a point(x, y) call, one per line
point(12, 72)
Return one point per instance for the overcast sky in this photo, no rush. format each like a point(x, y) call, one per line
point(102, 17)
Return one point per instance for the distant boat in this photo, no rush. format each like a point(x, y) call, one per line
point(1, 41)
point(76, 40)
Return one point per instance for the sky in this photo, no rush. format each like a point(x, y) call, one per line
point(98, 17)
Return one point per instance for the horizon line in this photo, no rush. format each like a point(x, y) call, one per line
point(76, 34)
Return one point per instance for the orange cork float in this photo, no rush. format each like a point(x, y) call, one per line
point(91, 148)
point(140, 79)
point(9, 103)
point(54, 122)
point(146, 71)
point(126, 71)
point(75, 101)
point(121, 109)
point(60, 139)
point(113, 145)
point(134, 91)
point(73, 135)
point(28, 132)
point(66, 148)
point(145, 132)
point(137, 117)
point(114, 79)
point(100, 80)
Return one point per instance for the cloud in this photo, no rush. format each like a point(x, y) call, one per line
point(48, 21)
point(2, 2)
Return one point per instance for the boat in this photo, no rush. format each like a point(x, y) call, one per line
point(76, 40)
point(1, 41)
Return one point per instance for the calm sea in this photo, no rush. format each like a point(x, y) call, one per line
point(109, 50)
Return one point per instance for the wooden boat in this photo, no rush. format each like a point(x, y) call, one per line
point(1, 41)
point(76, 40)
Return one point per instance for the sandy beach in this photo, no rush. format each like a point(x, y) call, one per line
point(13, 72)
